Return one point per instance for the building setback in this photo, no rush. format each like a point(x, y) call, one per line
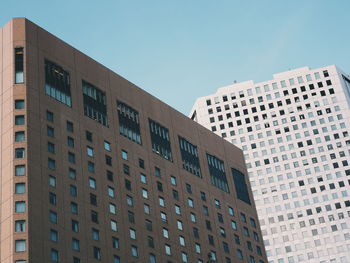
point(94, 169)
point(294, 132)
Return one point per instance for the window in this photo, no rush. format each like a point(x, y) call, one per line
point(20, 226)
point(20, 245)
point(20, 188)
point(50, 132)
point(74, 208)
point(189, 155)
point(95, 106)
point(54, 255)
point(143, 178)
point(71, 157)
point(114, 225)
point(129, 122)
point(19, 104)
point(124, 155)
point(134, 251)
point(115, 242)
point(217, 172)
point(19, 170)
point(75, 226)
point(89, 151)
point(146, 209)
point(52, 198)
point(20, 206)
point(75, 244)
point(51, 164)
point(19, 120)
point(240, 186)
point(160, 140)
point(19, 153)
point(95, 234)
point(19, 65)
point(94, 216)
point(88, 136)
point(111, 192)
point(70, 141)
point(107, 146)
point(19, 136)
point(53, 217)
point(167, 249)
point(97, 253)
point(57, 83)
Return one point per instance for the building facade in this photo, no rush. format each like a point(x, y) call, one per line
point(294, 132)
point(94, 169)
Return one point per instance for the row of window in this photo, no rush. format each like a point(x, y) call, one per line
point(266, 87)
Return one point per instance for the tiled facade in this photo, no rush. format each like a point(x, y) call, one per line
point(294, 132)
point(94, 169)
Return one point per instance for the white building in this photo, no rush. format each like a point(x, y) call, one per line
point(294, 131)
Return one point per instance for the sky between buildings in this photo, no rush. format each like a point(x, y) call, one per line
point(179, 50)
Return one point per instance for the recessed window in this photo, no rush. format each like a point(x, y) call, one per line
point(114, 225)
point(89, 151)
point(19, 153)
point(53, 235)
point(20, 226)
point(19, 104)
point(20, 170)
point(20, 245)
point(160, 140)
point(49, 116)
point(54, 255)
point(124, 155)
point(19, 136)
point(19, 120)
point(143, 178)
point(129, 122)
point(88, 136)
point(19, 65)
point(20, 188)
point(95, 106)
point(107, 146)
point(57, 83)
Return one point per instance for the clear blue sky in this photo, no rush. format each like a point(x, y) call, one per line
point(179, 50)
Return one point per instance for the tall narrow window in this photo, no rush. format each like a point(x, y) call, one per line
point(240, 185)
point(129, 122)
point(57, 83)
point(217, 172)
point(19, 65)
point(189, 156)
point(160, 140)
point(95, 106)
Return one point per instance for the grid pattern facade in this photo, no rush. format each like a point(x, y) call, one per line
point(77, 184)
point(294, 132)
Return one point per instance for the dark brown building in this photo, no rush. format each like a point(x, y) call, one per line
point(94, 169)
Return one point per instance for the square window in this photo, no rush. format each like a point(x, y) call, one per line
point(19, 136)
point(19, 104)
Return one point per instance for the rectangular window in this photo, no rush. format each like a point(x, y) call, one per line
point(240, 185)
point(189, 155)
point(129, 122)
point(20, 226)
point(160, 140)
point(57, 83)
point(95, 105)
point(19, 104)
point(217, 172)
point(19, 136)
point(19, 65)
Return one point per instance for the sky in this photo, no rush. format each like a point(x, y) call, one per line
point(179, 50)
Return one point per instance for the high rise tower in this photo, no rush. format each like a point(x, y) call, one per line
point(294, 132)
point(94, 169)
